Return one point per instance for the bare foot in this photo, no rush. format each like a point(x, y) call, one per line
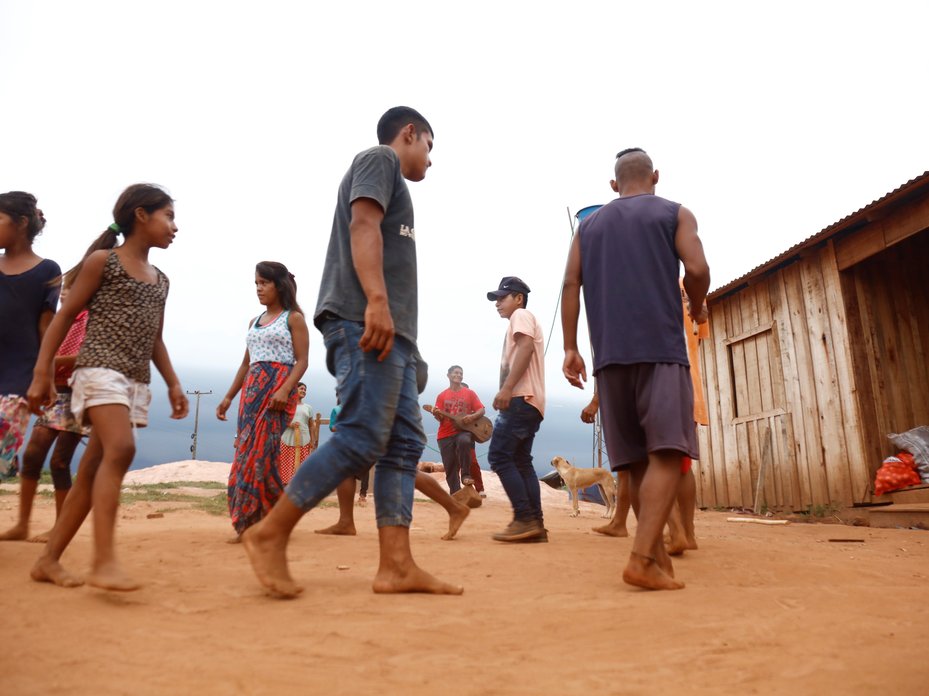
point(611, 530)
point(692, 543)
point(339, 529)
point(411, 579)
point(40, 538)
point(455, 519)
point(663, 560)
point(362, 501)
point(269, 561)
point(49, 570)
point(237, 539)
point(676, 547)
point(644, 572)
point(17, 533)
point(110, 576)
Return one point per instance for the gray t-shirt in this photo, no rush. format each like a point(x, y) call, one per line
point(374, 174)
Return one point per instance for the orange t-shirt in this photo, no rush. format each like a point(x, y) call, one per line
point(531, 386)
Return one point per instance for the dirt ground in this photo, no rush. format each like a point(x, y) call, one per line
point(767, 609)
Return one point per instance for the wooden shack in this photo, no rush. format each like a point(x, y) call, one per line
point(814, 356)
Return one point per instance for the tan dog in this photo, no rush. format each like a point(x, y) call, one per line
point(576, 478)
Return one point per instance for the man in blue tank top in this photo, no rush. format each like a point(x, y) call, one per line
point(627, 257)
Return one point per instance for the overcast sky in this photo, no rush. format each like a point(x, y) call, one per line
point(769, 122)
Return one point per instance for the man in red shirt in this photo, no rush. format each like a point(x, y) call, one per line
point(455, 444)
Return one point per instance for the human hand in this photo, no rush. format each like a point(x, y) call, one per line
point(278, 401)
point(180, 407)
point(41, 393)
point(701, 316)
point(503, 398)
point(574, 369)
point(379, 329)
point(589, 412)
point(222, 408)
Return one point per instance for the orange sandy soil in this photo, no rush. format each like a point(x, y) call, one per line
point(766, 610)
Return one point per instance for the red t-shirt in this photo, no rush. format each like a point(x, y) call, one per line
point(457, 403)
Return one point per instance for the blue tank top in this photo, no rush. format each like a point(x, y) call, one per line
point(630, 273)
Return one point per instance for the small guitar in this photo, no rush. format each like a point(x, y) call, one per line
point(482, 428)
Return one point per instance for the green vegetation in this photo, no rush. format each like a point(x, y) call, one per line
point(821, 511)
point(168, 492)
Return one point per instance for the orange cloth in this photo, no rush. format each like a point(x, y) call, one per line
point(693, 355)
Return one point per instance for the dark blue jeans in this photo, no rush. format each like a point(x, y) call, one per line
point(510, 457)
point(379, 422)
point(456, 458)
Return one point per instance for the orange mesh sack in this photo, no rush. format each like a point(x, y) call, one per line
point(896, 473)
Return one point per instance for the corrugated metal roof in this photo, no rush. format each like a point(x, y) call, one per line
point(857, 218)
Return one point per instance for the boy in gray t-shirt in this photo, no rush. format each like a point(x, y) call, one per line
point(367, 314)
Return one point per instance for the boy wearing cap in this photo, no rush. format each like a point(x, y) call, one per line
point(521, 406)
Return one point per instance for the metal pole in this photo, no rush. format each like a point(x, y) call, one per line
point(198, 394)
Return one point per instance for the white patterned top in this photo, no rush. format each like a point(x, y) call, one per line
point(272, 342)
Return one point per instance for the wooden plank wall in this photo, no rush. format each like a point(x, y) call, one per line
point(783, 396)
point(889, 321)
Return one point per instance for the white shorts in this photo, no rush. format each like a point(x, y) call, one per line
point(101, 386)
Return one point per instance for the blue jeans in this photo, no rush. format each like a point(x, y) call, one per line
point(510, 457)
point(379, 422)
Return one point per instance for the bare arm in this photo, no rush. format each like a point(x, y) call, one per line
point(524, 348)
point(696, 269)
point(236, 385)
point(300, 336)
point(589, 412)
point(573, 367)
point(368, 260)
point(179, 404)
point(42, 390)
point(472, 417)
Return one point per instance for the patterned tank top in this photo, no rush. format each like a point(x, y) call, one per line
point(271, 342)
point(123, 320)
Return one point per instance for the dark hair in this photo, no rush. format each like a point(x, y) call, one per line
point(455, 366)
point(19, 205)
point(284, 283)
point(628, 150)
point(393, 121)
point(635, 168)
point(148, 197)
point(301, 384)
point(525, 297)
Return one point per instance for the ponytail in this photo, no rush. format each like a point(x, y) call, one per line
point(149, 197)
point(107, 240)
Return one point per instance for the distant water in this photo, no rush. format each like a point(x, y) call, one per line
point(165, 440)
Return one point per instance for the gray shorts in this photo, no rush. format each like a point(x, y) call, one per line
point(644, 408)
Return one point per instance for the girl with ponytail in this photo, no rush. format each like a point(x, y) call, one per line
point(125, 297)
